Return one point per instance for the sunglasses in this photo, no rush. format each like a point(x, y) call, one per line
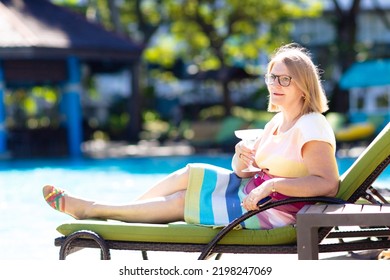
point(283, 80)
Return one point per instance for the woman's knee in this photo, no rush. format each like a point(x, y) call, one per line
point(179, 198)
point(182, 177)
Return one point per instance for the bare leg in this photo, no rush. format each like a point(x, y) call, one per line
point(174, 182)
point(158, 210)
point(163, 203)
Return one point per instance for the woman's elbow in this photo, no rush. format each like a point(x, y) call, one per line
point(333, 187)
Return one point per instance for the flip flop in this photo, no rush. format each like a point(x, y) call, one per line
point(55, 198)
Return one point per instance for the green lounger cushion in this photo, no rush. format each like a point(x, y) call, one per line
point(178, 233)
point(365, 164)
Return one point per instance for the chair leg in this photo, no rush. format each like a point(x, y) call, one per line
point(66, 247)
point(218, 256)
point(144, 255)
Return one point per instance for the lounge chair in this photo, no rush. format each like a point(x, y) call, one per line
point(355, 184)
point(217, 134)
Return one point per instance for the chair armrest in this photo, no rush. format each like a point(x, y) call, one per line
point(317, 199)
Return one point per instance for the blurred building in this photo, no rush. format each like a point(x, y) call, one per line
point(42, 44)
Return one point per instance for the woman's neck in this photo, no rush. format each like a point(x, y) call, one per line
point(288, 121)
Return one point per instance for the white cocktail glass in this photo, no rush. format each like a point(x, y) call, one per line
point(249, 137)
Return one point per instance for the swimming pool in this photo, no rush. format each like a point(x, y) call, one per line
point(27, 227)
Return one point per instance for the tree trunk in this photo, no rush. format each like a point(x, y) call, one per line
point(134, 110)
point(114, 16)
point(346, 28)
point(227, 101)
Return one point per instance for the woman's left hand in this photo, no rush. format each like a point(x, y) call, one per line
point(251, 200)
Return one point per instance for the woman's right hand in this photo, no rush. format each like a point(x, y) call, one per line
point(242, 159)
point(245, 155)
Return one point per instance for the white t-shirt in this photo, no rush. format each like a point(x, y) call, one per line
point(282, 153)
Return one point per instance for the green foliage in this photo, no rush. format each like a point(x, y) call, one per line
point(66, 2)
point(153, 126)
point(118, 122)
point(231, 31)
point(32, 108)
point(248, 114)
point(209, 33)
point(163, 53)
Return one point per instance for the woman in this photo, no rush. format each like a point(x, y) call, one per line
point(296, 153)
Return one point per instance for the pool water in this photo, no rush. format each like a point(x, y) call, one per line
point(27, 228)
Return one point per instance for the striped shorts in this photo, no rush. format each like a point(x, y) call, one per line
point(214, 196)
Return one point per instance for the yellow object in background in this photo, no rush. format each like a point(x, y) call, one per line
point(354, 132)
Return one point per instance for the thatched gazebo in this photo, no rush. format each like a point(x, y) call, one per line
point(45, 44)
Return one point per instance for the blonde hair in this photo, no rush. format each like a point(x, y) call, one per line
point(304, 74)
